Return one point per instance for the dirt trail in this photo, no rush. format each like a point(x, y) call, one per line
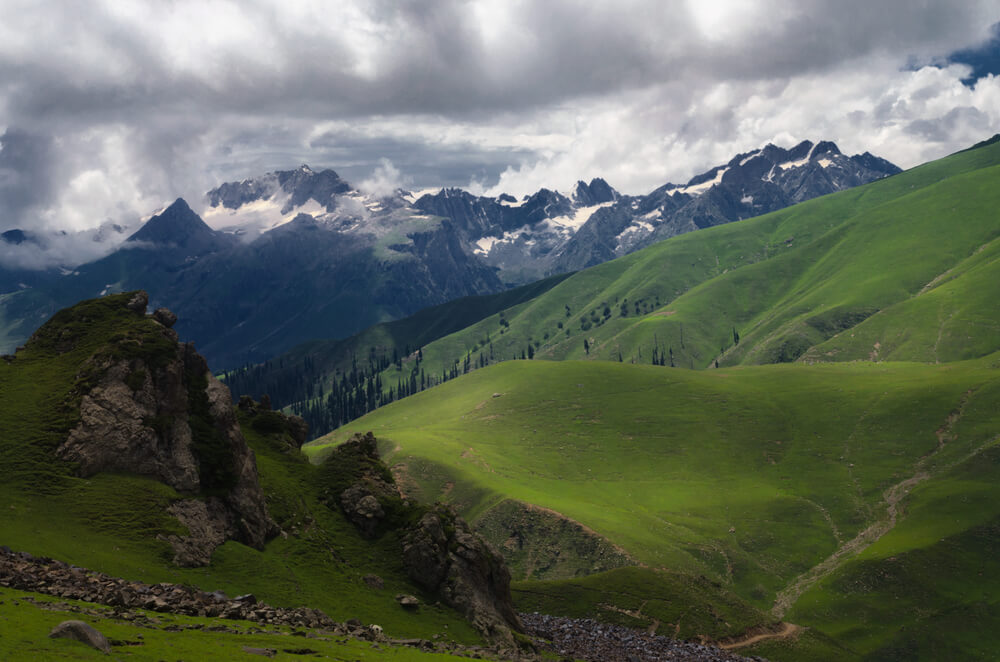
point(787, 631)
point(892, 498)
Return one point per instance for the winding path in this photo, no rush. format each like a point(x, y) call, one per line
point(892, 498)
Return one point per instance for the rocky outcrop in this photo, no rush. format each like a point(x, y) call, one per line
point(444, 556)
point(371, 496)
point(164, 415)
point(441, 553)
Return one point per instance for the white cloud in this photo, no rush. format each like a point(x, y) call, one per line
point(384, 180)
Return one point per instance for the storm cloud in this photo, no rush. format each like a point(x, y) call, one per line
point(109, 109)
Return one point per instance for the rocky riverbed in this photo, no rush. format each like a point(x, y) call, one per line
point(585, 639)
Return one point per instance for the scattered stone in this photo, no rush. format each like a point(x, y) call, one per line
point(407, 601)
point(266, 652)
point(374, 581)
point(82, 632)
point(165, 317)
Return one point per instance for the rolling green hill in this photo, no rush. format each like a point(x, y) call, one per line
point(751, 477)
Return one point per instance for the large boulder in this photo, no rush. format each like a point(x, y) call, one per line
point(82, 632)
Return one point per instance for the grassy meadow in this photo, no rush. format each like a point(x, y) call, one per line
point(747, 476)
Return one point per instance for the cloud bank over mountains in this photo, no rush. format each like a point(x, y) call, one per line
point(109, 109)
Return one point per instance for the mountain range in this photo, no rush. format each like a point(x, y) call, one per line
point(777, 435)
point(300, 254)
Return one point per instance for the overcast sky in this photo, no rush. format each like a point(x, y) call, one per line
point(110, 109)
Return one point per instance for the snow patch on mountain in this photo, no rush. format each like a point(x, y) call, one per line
point(800, 162)
point(698, 189)
point(579, 217)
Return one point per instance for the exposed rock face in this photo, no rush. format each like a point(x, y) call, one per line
point(362, 508)
point(444, 556)
point(173, 421)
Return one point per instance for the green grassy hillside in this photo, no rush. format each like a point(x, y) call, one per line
point(110, 522)
point(751, 477)
point(916, 249)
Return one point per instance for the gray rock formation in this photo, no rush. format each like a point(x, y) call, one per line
point(363, 509)
point(82, 632)
point(441, 553)
point(367, 501)
point(444, 556)
point(169, 418)
point(165, 317)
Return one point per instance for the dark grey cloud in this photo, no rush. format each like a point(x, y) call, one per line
point(444, 56)
point(983, 58)
point(426, 165)
point(26, 174)
point(112, 107)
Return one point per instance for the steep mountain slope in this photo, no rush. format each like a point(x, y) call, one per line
point(120, 453)
point(553, 233)
point(783, 282)
point(751, 184)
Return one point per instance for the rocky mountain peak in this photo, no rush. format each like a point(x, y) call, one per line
point(178, 226)
point(598, 191)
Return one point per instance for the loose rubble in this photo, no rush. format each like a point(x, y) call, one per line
point(587, 639)
point(22, 571)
